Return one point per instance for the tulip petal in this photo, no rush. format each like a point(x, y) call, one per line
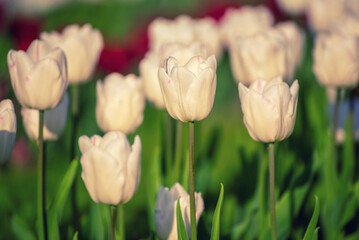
point(102, 176)
point(133, 170)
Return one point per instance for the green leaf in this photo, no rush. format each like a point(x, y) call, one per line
point(76, 236)
point(57, 206)
point(20, 229)
point(310, 233)
point(315, 234)
point(181, 229)
point(216, 216)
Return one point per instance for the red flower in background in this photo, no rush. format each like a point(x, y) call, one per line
point(24, 31)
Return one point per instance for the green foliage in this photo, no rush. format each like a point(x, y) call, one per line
point(312, 230)
point(181, 229)
point(216, 216)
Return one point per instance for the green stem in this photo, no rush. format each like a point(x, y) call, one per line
point(191, 182)
point(121, 219)
point(178, 156)
point(271, 190)
point(113, 222)
point(74, 114)
point(41, 204)
point(169, 144)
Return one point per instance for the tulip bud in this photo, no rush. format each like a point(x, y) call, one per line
point(162, 31)
point(7, 129)
point(207, 32)
point(323, 13)
point(255, 20)
point(39, 76)
point(120, 103)
point(54, 120)
point(336, 58)
point(188, 91)
point(295, 40)
point(165, 211)
point(293, 6)
point(82, 47)
point(153, 60)
point(269, 109)
point(111, 168)
point(262, 56)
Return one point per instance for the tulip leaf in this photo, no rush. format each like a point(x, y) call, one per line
point(57, 206)
point(21, 229)
point(181, 229)
point(312, 232)
point(216, 216)
point(76, 236)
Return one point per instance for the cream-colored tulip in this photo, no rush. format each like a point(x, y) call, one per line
point(293, 6)
point(245, 21)
point(54, 120)
point(269, 109)
point(7, 129)
point(165, 211)
point(207, 32)
point(120, 103)
point(38, 76)
point(111, 168)
point(295, 40)
point(323, 13)
point(262, 56)
point(162, 31)
point(352, 6)
point(336, 60)
point(153, 60)
point(82, 47)
point(347, 24)
point(188, 91)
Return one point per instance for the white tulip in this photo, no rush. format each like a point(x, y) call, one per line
point(120, 103)
point(39, 76)
point(323, 13)
point(293, 6)
point(269, 109)
point(352, 6)
point(165, 211)
point(162, 31)
point(207, 32)
point(295, 39)
point(82, 47)
point(188, 91)
point(245, 21)
point(262, 56)
point(336, 60)
point(153, 60)
point(347, 24)
point(7, 129)
point(54, 120)
point(111, 168)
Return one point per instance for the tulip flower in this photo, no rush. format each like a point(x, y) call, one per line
point(323, 13)
point(293, 6)
point(165, 211)
point(347, 24)
point(188, 91)
point(120, 103)
point(336, 58)
point(7, 129)
point(82, 47)
point(262, 56)
point(153, 60)
point(39, 76)
point(295, 39)
point(162, 31)
point(207, 32)
point(111, 168)
point(269, 109)
point(255, 20)
point(54, 120)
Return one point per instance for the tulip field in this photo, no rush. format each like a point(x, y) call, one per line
point(179, 120)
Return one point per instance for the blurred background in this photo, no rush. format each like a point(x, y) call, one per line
point(224, 152)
